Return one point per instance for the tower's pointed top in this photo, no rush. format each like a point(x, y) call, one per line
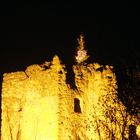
point(81, 42)
point(81, 52)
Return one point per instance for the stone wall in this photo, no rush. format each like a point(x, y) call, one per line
point(38, 104)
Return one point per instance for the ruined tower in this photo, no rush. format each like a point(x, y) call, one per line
point(38, 104)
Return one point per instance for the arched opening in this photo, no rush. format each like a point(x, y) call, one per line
point(77, 107)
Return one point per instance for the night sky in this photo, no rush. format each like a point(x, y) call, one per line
point(33, 31)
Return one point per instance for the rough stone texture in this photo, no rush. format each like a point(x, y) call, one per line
point(38, 104)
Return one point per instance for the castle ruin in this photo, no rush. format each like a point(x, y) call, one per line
point(38, 103)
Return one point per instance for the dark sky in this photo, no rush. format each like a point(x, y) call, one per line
point(33, 31)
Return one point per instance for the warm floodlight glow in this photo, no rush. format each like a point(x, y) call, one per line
point(38, 104)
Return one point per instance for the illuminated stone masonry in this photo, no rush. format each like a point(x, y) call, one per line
point(38, 104)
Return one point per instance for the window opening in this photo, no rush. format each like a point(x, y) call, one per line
point(77, 107)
